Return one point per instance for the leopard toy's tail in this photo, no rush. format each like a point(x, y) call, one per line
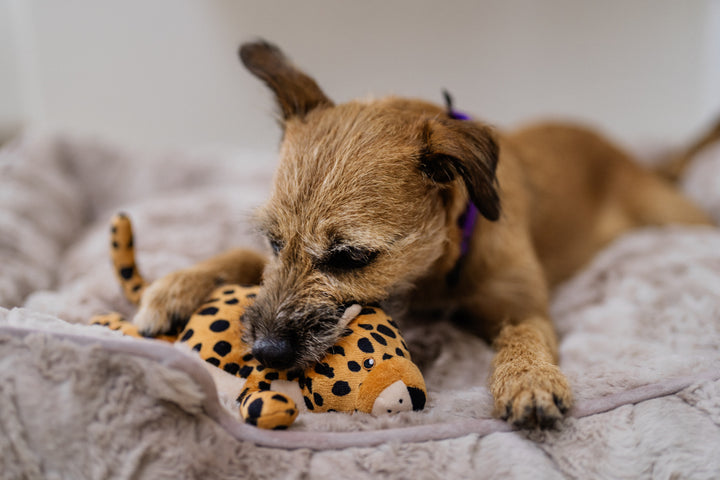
point(122, 252)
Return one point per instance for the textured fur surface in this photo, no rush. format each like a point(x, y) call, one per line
point(645, 310)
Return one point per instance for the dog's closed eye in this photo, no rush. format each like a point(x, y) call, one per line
point(347, 258)
point(276, 244)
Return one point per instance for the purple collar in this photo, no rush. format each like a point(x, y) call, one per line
point(467, 222)
point(469, 218)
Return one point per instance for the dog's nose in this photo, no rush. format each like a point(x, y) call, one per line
point(274, 352)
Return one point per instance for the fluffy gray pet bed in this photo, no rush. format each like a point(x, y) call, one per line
point(640, 332)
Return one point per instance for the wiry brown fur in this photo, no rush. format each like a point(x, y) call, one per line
point(365, 208)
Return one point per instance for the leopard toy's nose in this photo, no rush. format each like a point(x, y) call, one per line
point(274, 352)
point(398, 397)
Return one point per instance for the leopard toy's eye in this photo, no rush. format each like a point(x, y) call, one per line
point(369, 363)
point(276, 245)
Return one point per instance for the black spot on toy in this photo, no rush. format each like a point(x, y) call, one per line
point(336, 350)
point(222, 348)
point(127, 272)
point(188, 335)
point(341, 388)
point(386, 331)
point(219, 325)
point(324, 369)
point(255, 408)
point(232, 368)
point(365, 345)
point(208, 311)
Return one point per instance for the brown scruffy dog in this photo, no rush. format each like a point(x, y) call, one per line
point(374, 201)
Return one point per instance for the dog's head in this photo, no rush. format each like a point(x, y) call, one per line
point(365, 202)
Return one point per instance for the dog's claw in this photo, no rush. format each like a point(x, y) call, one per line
point(508, 411)
point(532, 399)
point(560, 404)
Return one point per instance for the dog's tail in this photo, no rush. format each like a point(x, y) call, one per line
point(123, 257)
point(676, 164)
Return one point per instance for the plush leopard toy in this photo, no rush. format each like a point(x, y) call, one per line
point(367, 370)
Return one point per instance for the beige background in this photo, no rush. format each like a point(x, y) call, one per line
point(164, 73)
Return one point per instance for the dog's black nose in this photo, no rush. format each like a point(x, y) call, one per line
point(274, 352)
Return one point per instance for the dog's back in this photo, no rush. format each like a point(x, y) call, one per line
point(584, 191)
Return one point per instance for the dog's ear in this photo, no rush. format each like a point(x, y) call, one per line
point(296, 93)
point(466, 149)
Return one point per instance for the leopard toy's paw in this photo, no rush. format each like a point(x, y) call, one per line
point(115, 321)
point(536, 396)
point(267, 409)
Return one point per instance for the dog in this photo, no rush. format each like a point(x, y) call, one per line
point(399, 200)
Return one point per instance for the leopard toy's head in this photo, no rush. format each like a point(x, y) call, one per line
point(367, 370)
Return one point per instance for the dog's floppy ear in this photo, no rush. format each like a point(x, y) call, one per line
point(296, 93)
point(466, 149)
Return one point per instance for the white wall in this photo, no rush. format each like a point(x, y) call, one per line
point(165, 72)
point(11, 104)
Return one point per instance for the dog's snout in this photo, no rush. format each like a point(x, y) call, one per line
point(274, 352)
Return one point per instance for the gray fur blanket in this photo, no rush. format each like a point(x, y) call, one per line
point(639, 326)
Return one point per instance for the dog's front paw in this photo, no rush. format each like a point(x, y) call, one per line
point(167, 304)
point(531, 396)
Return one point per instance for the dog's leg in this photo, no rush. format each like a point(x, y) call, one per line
point(167, 304)
point(509, 305)
point(650, 200)
point(528, 387)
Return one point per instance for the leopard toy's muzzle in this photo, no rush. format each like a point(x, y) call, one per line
point(394, 385)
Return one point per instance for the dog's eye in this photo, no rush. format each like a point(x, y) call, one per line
point(276, 245)
point(348, 258)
